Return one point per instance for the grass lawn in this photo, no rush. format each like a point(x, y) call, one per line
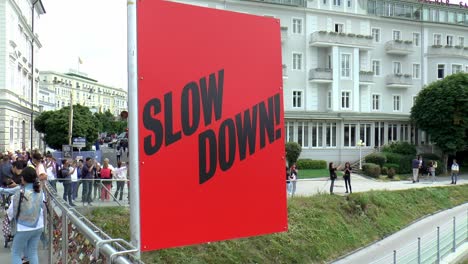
point(321, 227)
point(310, 174)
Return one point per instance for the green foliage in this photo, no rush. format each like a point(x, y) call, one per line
point(406, 164)
point(376, 158)
point(315, 173)
point(293, 151)
point(108, 123)
point(384, 170)
point(54, 125)
point(311, 164)
point(441, 110)
point(392, 166)
point(393, 157)
point(391, 173)
point(321, 228)
point(429, 156)
point(371, 170)
point(400, 147)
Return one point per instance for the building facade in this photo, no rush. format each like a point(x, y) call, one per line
point(19, 46)
point(57, 90)
point(352, 68)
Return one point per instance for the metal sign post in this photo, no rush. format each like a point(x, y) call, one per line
point(133, 125)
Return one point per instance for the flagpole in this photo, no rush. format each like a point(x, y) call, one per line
point(132, 68)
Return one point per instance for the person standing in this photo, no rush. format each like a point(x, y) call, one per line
point(119, 153)
point(121, 176)
point(431, 167)
point(415, 166)
point(347, 177)
point(74, 179)
point(332, 169)
point(26, 209)
point(50, 168)
point(67, 171)
point(106, 177)
point(87, 173)
point(455, 169)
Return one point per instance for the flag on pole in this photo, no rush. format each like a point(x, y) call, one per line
point(80, 61)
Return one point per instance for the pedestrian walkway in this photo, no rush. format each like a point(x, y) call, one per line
point(406, 240)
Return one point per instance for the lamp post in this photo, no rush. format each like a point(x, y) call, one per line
point(360, 145)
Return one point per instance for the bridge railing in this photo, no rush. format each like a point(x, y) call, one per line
point(75, 239)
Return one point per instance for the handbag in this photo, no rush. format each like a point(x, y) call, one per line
point(14, 221)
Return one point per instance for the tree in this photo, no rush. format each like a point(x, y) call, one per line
point(54, 125)
point(293, 151)
point(441, 109)
point(109, 124)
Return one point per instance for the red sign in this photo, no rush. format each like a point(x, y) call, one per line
point(211, 137)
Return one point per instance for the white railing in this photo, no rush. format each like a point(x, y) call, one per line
point(321, 74)
point(333, 38)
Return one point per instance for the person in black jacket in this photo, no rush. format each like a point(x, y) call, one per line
point(347, 176)
point(332, 170)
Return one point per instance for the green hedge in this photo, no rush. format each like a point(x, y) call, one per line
point(403, 148)
point(311, 164)
point(371, 169)
point(429, 156)
point(376, 158)
point(392, 165)
point(392, 157)
point(405, 164)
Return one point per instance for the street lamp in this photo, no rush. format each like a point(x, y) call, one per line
point(360, 145)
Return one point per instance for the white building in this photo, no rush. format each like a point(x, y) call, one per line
point(351, 69)
point(56, 90)
point(19, 46)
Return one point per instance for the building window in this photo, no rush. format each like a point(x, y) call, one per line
point(404, 133)
point(324, 2)
point(416, 71)
point(345, 65)
point(317, 135)
point(11, 132)
point(329, 100)
point(297, 99)
point(330, 134)
point(349, 3)
point(461, 41)
point(376, 102)
point(345, 100)
point(376, 67)
point(397, 67)
point(289, 130)
point(449, 40)
point(297, 61)
point(437, 39)
point(440, 71)
point(396, 103)
point(376, 35)
point(456, 68)
point(303, 134)
point(396, 35)
point(379, 133)
point(392, 132)
point(365, 133)
point(349, 135)
point(339, 27)
point(297, 25)
point(337, 2)
point(416, 39)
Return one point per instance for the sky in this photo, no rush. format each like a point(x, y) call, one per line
point(94, 30)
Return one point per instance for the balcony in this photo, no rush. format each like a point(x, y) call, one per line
point(399, 80)
point(285, 71)
point(448, 51)
point(321, 75)
point(366, 77)
point(399, 47)
point(327, 39)
point(284, 33)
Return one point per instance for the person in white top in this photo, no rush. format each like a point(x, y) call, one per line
point(50, 167)
point(74, 178)
point(26, 208)
point(455, 169)
point(120, 174)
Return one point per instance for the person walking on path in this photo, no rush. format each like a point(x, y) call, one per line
point(415, 166)
point(119, 153)
point(88, 180)
point(432, 168)
point(26, 210)
point(121, 176)
point(332, 169)
point(455, 169)
point(347, 177)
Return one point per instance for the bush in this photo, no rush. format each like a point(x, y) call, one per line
point(429, 156)
point(293, 150)
point(371, 169)
point(405, 164)
point(384, 170)
point(376, 158)
point(311, 164)
point(391, 173)
point(392, 166)
point(403, 148)
point(393, 157)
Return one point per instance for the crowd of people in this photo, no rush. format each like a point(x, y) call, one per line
point(22, 178)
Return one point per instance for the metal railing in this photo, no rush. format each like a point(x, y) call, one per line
point(73, 237)
point(399, 80)
point(320, 38)
point(320, 74)
point(399, 47)
point(433, 247)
